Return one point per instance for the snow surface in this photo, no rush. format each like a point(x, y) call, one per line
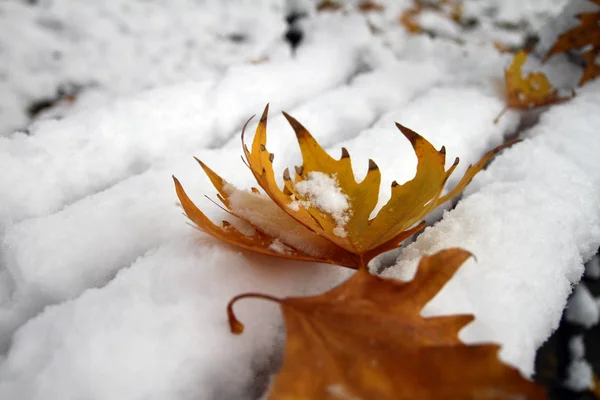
point(121, 47)
point(531, 220)
point(323, 192)
point(592, 268)
point(582, 309)
point(107, 293)
point(580, 375)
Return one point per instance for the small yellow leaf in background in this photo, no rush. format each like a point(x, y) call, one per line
point(366, 339)
point(322, 213)
point(530, 91)
point(450, 9)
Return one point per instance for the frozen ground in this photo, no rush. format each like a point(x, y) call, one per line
point(107, 293)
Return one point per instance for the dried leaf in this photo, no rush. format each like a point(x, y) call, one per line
point(587, 33)
point(584, 38)
point(449, 8)
point(592, 69)
point(533, 90)
point(328, 5)
point(369, 6)
point(348, 237)
point(408, 19)
point(366, 339)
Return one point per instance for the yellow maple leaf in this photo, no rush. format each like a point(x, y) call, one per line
point(366, 339)
point(529, 91)
point(294, 223)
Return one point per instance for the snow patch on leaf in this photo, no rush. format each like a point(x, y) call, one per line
point(323, 192)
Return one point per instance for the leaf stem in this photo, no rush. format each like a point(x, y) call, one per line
point(235, 325)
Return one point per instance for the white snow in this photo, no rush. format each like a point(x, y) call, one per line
point(592, 268)
point(577, 347)
point(580, 376)
point(279, 247)
point(323, 192)
point(579, 372)
point(122, 47)
point(531, 220)
point(107, 293)
point(582, 309)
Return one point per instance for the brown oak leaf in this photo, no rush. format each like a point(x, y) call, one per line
point(366, 339)
point(530, 91)
point(294, 223)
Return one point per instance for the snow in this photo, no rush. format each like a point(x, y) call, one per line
point(592, 268)
point(122, 47)
point(163, 318)
point(279, 247)
point(531, 221)
point(580, 375)
point(107, 293)
point(323, 192)
point(582, 309)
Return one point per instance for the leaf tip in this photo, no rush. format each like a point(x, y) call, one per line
point(411, 135)
point(345, 153)
point(372, 165)
point(265, 114)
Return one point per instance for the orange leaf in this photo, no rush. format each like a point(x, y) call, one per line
point(448, 8)
point(584, 38)
point(369, 6)
point(366, 339)
point(587, 33)
point(328, 5)
point(310, 228)
point(408, 19)
point(533, 90)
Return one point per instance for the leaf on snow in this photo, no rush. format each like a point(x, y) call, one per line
point(311, 230)
point(451, 9)
point(533, 90)
point(585, 38)
point(366, 339)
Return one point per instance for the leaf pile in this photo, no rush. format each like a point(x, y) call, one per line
point(585, 40)
point(366, 339)
point(292, 223)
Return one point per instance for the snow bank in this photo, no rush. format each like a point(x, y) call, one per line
point(159, 329)
point(61, 161)
point(531, 220)
point(106, 293)
point(122, 47)
point(95, 237)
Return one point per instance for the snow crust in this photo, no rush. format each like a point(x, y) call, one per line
point(107, 293)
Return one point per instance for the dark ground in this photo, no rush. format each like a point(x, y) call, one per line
point(553, 357)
